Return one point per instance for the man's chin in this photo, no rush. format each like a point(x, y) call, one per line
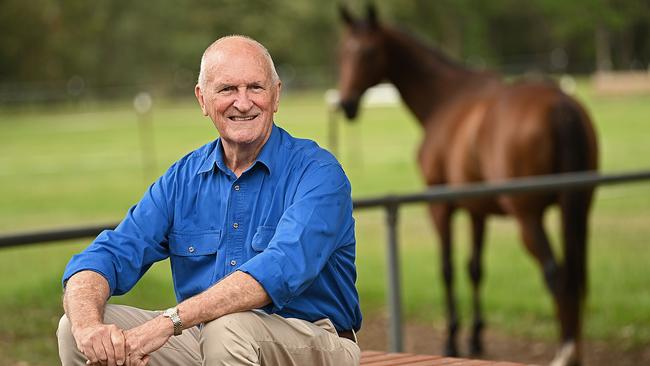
point(244, 135)
point(241, 138)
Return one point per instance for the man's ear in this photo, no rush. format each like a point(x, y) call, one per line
point(277, 97)
point(199, 98)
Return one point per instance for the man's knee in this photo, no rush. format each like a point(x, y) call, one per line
point(64, 327)
point(230, 339)
point(68, 351)
point(64, 332)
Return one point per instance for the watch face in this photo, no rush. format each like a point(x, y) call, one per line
point(169, 312)
point(172, 314)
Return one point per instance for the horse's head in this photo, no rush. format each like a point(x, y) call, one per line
point(362, 58)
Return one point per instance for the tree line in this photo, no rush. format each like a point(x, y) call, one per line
point(111, 46)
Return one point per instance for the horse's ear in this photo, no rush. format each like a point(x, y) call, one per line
point(373, 20)
point(346, 17)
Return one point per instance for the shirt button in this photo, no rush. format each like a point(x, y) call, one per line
point(236, 187)
point(235, 225)
point(233, 262)
point(191, 249)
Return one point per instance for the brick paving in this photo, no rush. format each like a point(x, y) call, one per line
point(377, 358)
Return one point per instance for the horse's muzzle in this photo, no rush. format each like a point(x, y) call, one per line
point(350, 108)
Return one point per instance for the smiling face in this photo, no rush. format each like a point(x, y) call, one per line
point(239, 92)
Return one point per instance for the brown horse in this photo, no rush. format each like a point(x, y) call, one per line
point(479, 128)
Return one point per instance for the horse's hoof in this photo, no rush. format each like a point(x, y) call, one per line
point(567, 355)
point(475, 344)
point(475, 347)
point(450, 350)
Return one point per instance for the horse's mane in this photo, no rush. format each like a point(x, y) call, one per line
point(418, 42)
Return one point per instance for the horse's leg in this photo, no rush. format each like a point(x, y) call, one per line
point(441, 215)
point(537, 243)
point(575, 210)
point(475, 273)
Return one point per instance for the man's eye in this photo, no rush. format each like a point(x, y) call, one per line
point(227, 89)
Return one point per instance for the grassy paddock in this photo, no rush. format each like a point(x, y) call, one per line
point(67, 166)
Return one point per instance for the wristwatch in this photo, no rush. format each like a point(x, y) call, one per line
point(172, 313)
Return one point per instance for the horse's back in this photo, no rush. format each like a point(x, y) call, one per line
point(522, 133)
point(533, 128)
point(504, 131)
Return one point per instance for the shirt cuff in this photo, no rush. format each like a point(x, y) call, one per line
point(266, 270)
point(105, 268)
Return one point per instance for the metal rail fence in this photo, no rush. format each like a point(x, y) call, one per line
point(391, 204)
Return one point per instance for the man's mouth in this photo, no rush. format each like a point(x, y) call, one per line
point(242, 118)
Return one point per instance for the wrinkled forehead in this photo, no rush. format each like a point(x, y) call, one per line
point(229, 62)
point(236, 56)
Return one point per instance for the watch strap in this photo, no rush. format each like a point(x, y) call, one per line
point(172, 314)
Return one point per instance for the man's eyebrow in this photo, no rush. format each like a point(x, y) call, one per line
point(225, 84)
point(222, 85)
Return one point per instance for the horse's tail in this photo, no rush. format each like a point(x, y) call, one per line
point(574, 147)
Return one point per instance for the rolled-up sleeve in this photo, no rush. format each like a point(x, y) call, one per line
point(124, 254)
point(307, 234)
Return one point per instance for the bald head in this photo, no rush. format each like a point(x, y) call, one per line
point(235, 43)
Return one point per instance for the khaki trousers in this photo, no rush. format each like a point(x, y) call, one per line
point(246, 338)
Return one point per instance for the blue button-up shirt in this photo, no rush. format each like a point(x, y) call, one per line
point(286, 221)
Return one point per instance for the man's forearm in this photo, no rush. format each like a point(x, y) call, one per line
point(85, 296)
point(237, 292)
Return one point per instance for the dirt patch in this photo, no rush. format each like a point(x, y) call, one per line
point(621, 82)
point(425, 339)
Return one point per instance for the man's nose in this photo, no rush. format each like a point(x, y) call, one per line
point(242, 101)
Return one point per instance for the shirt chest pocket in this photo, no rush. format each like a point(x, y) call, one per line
point(192, 245)
point(262, 237)
point(193, 259)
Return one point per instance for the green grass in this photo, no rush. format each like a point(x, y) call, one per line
point(64, 166)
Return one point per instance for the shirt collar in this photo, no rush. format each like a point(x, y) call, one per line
point(215, 157)
point(270, 149)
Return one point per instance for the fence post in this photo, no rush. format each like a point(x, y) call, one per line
point(333, 132)
point(394, 291)
point(332, 101)
point(142, 104)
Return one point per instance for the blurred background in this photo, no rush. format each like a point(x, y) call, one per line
point(69, 50)
point(96, 101)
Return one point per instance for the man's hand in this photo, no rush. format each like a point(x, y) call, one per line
point(102, 344)
point(146, 338)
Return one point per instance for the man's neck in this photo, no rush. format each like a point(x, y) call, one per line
point(238, 158)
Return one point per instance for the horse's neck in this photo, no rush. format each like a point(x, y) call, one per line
point(424, 79)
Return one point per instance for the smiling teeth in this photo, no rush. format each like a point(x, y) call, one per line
point(234, 118)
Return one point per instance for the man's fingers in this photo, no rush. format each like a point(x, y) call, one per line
point(119, 346)
point(99, 353)
point(109, 351)
point(88, 350)
point(135, 359)
point(144, 360)
point(102, 344)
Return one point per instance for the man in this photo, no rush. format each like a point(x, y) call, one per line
point(259, 231)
